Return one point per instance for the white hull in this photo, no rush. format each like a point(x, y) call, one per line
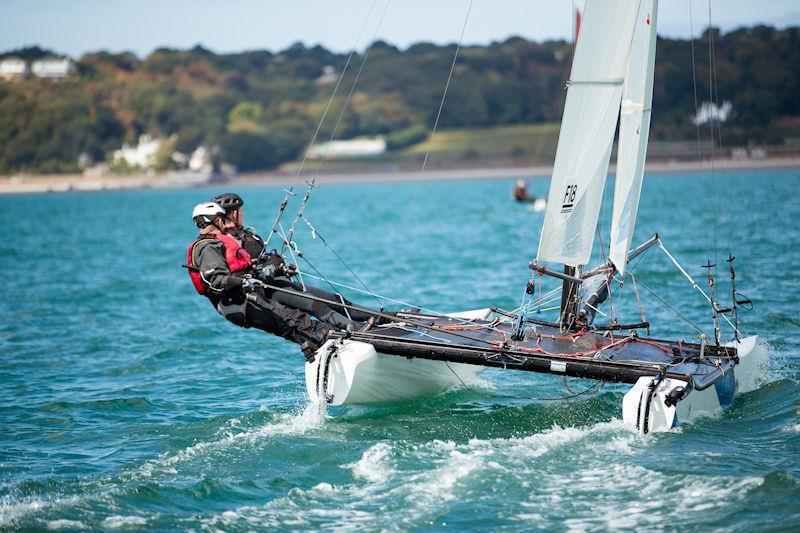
point(357, 374)
point(656, 415)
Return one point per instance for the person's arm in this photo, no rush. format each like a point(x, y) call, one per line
point(210, 260)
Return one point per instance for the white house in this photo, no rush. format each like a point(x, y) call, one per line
point(200, 160)
point(143, 155)
point(328, 76)
point(54, 69)
point(352, 148)
point(711, 112)
point(13, 68)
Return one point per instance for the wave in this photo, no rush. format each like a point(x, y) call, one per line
point(136, 403)
point(62, 523)
point(14, 509)
point(118, 521)
point(374, 465)
point(406, 485)
point(308, 420)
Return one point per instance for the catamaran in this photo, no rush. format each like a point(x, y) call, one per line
point(417, 354)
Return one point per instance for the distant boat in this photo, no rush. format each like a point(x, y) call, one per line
point(673, 381)
point(520, 193)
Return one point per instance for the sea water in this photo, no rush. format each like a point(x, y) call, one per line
point(126, 402)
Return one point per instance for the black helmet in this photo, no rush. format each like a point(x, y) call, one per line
point(228, 201)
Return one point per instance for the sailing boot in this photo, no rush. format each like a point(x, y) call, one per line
point(309, 350)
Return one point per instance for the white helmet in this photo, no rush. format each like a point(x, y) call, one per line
point(205, 213)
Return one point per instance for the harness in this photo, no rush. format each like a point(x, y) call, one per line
point(249, 239)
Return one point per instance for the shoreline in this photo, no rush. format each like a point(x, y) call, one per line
point(80, 183)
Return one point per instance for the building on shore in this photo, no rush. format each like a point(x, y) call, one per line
point(52, 69)
point(351, 148)
point(329, 76)
point(12, 68)
point(141, 155)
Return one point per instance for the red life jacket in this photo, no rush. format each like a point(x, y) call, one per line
point(237, 258)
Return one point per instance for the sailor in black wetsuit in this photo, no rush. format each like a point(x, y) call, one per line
point(221, 270)
point(272, 269)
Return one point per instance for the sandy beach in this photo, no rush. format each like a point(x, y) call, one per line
point(21, 184)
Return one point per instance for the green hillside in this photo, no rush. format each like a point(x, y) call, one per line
point(256, 110)
point(536, 141)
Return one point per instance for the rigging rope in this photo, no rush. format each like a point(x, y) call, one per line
point(316, 233)
point(712, 80)
point(352, 88)
point(403, 303)
point(293, 249)
point(692, 281)
point(388, 299)
point(639, 301)
point(312, 184)
point(713, 97)
point(608, 277)
point(671, 308)
point(441, 103)
point(694, 85)
point(290, 190)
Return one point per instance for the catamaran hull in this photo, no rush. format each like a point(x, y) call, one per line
point(647, 406)
point(358, 374)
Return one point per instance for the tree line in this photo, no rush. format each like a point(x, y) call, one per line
point(258, 109)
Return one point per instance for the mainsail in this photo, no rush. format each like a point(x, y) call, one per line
point(637, 98)
point(587, 131)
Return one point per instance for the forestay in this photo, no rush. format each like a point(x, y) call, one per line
point(587, 131)
point(637, 98)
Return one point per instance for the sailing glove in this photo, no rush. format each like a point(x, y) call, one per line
point(268, 272)
point(250, 284)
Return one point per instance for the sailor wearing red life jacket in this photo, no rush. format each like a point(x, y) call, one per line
point(221, 270)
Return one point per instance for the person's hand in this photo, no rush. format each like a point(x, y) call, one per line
point(291, 270)
point(250, 284)
point(267, 272)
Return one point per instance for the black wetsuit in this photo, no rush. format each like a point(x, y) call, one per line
point(253, 309)
point(329, 314)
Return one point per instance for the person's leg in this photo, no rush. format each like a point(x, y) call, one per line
point(355, 314)
point(321, 311)
point(285, 322)
point(285, 282)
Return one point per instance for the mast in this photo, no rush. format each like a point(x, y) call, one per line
point(569, 297)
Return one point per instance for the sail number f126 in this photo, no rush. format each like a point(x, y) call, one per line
point(569, 198)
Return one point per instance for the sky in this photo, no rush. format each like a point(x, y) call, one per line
point(74, 27)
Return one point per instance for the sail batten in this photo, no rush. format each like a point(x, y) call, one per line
point(634, 129)
point(609, 81)
point(590, 116)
